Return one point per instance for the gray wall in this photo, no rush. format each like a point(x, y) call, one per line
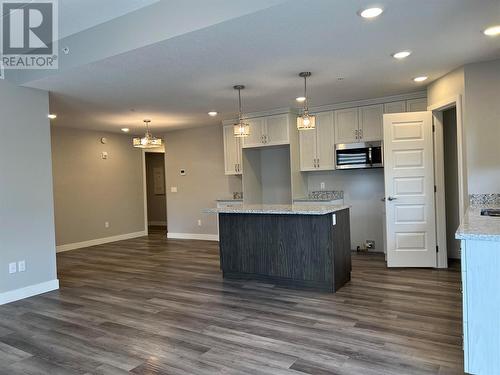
point(157, 204)
point(88, 191)
point(451, 181)
point(200, 151)
point(482, 126)
point(363, 190)
point(26, 205)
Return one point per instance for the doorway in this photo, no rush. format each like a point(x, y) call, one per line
point(155, 193)
point(451, 181)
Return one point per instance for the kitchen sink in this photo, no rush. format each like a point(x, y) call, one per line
point(490, 212)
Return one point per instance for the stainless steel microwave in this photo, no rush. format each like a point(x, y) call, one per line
point(359, 155)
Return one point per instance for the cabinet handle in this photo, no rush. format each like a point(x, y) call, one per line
point(360, 133)
point(317, 163)
point(356, 134)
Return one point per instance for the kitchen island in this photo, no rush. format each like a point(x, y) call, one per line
point(290, 245)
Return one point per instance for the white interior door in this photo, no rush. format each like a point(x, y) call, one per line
point(409, 190)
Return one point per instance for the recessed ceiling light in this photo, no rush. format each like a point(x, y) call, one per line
point(52, 116)
point(401, 55)
point(371, 12)
point(492, 31)
point(301, 99)
point(213, 113)
point(420, 79)
point(125, 130)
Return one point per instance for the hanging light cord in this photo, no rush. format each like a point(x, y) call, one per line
point(306, 105)
point(240, 115)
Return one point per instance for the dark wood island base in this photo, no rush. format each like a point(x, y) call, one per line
point(307, 251)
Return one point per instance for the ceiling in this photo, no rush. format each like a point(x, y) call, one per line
point(177, 80)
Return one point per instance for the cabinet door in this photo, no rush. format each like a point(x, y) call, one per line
point(371, 123)
point(325, 142)
point(231, 146)
point(256, 133)
point(346, 125)
point(307, 145)
point(416, 105)
point(395, 107)
point(277, 130)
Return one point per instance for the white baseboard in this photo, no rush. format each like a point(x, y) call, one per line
point(193, 236)
point(158, 223)
point(99, 241)
point(29, 291)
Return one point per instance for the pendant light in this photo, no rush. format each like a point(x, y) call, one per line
point(306, 121)
point(241, 129)
point(148, 141)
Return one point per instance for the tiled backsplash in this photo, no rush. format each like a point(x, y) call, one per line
point(485, 199)
point(326, 195)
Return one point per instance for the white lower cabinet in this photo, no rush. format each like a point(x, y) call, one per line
point(317, 145)
point(232, 152)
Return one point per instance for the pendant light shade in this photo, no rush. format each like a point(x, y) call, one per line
point(241, 129)
point(148, 141)
point(306, 121)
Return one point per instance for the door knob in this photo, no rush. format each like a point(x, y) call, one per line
point(390, 199)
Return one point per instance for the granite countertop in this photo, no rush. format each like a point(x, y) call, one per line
point(278, 209)
point(477, 227)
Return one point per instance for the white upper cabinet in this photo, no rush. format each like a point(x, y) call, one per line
point(346, 125)
point(307, 141)
point(317, 145)
point(232, 152)
point(395, 107)
point(268, 131)
point(277, 130)
point(416, 105)
point(325, 141)
point(257, 130)
point(371, 123)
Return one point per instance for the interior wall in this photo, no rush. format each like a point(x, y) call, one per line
point(89, 191)
point(200, 151)
point(363, 190)
point(157, 203)
point(26, 202)
point(276, 180)
point(482, 126)
point(451, 181)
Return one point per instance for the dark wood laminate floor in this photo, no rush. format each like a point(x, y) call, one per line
point(152, 306)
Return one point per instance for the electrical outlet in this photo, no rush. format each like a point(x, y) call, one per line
point(370, 244)
point(12, 267)
point(322, 186)
point(21, 266)
point(173, 189)
point(104, 155)
point(199, 223)
point(106, 224)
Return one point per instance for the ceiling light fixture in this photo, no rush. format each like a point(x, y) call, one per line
point(305, 121)
point(301, 99)
point(125, 130)
point(52, 116)
point(492, 31)
point(371, 12)
point(213, 113)
point(420, 79)
point(148, 141)
point(401, 55)
point(241, 129)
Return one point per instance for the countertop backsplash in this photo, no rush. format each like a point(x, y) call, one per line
point(326, 195)
point(484, 199)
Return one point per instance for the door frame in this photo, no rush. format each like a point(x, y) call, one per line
point(160, 150)
point(437, 114)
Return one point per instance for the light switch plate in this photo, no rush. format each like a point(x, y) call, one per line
point(21, 266)
point(173, 189)
point(104, 155)
point(334, 220)
point(12, 267)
